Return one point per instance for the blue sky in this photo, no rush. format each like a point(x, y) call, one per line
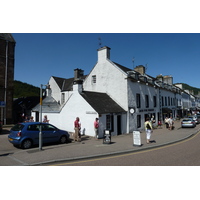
point(38, 56)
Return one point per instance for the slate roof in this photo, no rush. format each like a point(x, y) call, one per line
point(101, 102)
point(125, 69)
point(65, 84)
point(49, 104)
point(7, 36)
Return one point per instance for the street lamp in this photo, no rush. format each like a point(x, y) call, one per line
point(40, 133)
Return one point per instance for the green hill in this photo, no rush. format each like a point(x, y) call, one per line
point(25, 90)
point(190, 88)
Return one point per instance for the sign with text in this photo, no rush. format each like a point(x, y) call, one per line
point(107, 137)
point(2, 104)
point(136, 138)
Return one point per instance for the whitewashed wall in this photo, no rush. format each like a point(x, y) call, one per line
point(109, 79)
point(56, 94)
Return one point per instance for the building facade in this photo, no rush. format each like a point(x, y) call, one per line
point(122, 98)
point(7, 58)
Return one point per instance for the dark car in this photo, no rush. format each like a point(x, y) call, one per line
point(1, 126)
point(194, 118)
point(188, 122)
point(25, 135)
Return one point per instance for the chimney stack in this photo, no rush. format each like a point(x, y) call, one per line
point(140, 69)
point(78, 82)
point(103, 53)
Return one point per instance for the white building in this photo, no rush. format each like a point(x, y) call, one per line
point(120, 97)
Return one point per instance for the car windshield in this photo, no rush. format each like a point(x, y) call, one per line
point(17, 127)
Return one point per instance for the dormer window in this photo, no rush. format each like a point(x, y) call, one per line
point(94, 79)
point(137, 77)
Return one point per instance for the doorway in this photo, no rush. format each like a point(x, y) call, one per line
point(119, 126)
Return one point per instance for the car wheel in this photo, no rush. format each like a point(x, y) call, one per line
point(26, 144)
point(63, 139)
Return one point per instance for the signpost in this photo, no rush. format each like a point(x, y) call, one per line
point(136, 138)
point(107, 137)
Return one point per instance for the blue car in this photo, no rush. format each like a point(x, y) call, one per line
point(25, 135)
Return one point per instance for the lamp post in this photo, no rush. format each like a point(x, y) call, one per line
point(40, 133)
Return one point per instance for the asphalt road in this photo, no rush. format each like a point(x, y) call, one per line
point(184, 153)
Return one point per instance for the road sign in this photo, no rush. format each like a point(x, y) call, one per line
point(2, 104)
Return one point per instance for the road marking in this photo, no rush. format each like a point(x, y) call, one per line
point(127, 154)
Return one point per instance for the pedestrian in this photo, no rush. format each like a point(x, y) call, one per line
point(152, 121)
point(31, 119)
point(149, 129)
point(79, 132)
point(166, 122)
point(171, 123)
point(45, 120)
point(96, 126)
point(160, 124)
point(77, 129)
point(26, 119)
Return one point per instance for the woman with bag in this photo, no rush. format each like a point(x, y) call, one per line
point(148, 128)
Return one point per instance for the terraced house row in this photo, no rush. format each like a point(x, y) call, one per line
point(120, 97)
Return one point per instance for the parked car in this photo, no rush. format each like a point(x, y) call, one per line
point(194, 118)
point(1, 125)
point(25, 135)
point(198, 117)
point(188, 122)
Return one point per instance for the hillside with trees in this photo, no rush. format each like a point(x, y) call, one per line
point(25, 90)
point(190, 88)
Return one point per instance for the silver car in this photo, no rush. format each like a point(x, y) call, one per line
point(188, 122)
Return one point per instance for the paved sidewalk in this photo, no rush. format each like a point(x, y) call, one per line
point(89, 147)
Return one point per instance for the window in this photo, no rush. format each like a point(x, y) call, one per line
point(48, 127)
point(165, 101)
point(138, 101)
point(63, 98)
point(109, 122)
point(147, 101)
point(94, 79)
point(154, 101)
point(138, 121)
point(33, 128)
point(168, 101)
point(162, 101)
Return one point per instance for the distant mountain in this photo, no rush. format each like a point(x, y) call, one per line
point(190, 88)
point(25, 90)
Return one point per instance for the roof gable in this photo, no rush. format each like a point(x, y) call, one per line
point(65, 84)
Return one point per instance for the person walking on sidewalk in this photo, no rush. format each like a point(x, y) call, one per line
point(171, 123)
point(96, 126)
point(77, 129)
point(167, 122)
point(149, 129)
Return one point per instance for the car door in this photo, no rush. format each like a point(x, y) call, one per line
point(33, 132)
point(50, 133)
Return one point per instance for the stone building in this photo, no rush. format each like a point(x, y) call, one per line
point(7, 55)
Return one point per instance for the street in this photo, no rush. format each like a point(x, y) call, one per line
point(184, 153)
